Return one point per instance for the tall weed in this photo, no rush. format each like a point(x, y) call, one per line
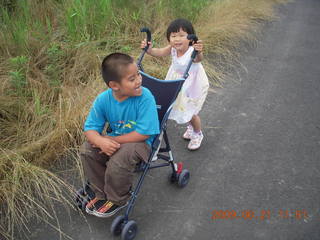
point(18, 78)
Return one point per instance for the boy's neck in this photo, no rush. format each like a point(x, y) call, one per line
point(119, 97)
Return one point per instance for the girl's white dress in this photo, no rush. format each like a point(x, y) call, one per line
point(194, 90)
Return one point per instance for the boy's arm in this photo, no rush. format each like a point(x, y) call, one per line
point(107, 145)
point(130, 137)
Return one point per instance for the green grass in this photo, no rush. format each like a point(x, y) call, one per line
point(18, 78)
point(50, 53)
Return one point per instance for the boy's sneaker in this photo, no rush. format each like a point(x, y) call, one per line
point(94, 204)
point(195, 141)
point(188, 134)
point(107, 209)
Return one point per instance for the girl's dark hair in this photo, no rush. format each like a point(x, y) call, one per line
point(113, 66)
point(178, 24)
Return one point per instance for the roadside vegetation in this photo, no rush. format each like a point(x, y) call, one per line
point(50, 53)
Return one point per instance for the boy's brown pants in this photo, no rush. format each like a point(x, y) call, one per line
point(112, 177)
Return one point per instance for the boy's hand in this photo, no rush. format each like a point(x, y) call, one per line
point(108, 146)
point(144, 44)
point(198, 46)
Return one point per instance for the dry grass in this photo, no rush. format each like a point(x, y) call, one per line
point(230, 26)
point(28, 191)
point(37, 130)
point(45, 95)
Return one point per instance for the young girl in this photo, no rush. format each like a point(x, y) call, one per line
point(194, 91)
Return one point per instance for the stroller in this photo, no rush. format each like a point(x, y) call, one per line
point(165, 93)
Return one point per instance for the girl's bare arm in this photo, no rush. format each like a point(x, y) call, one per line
point(157, 52)
point(199, 57)
point(160, 52)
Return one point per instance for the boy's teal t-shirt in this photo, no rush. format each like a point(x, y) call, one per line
point(133, 114)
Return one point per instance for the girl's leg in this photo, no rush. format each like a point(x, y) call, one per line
point(193, 126)
point(196, 123)
point(188, 133)
point(197, 136)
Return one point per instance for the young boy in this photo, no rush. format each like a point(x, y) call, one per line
point(109, 160)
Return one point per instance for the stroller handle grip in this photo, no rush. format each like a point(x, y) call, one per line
point(148, 32)
point(194, 39)
point(145, 49)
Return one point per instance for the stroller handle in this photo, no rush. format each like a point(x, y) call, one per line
point(147, 31)
point(191, 37)
point(145, 49)
point(194, 39)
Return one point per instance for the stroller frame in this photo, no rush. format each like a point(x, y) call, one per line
point(121, 224)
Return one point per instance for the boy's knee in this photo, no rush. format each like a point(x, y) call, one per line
point(130, 154)
point(88, 152)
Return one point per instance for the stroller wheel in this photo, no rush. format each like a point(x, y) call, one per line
point(88, 191)
point(117, 225)
point(81, 199)
point(183, 178)
point(129, 231)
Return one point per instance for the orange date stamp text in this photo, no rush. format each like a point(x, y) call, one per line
point(264, 214)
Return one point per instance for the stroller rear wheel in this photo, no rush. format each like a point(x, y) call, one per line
point(83, 196)
point(81, 199)
point(183, 178)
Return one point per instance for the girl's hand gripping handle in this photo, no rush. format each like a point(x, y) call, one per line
point(147, 31)
point(194, 39)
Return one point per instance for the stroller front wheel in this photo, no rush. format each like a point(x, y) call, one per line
point(129, 231)
point(117, 225)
